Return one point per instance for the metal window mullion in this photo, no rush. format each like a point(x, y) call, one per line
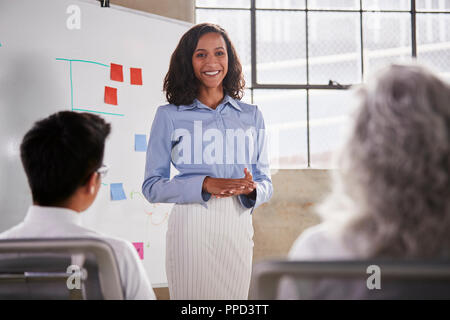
point(413, 29)
point(321, 10)
point(307, 90)
point(302, 86)
point(361, 39)
point(221, 8)
point(253, 41)
point(324, 10)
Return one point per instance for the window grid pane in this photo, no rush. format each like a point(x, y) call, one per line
point(433, 5)
point(284, 114)
point(334, 47)
point(245, 4)
point(329, 112)
point(280, 4)
point(334, 4)
point(237, 25)
point(381, 46)
point(281, 47)
point(433, 42)
point(386, 5)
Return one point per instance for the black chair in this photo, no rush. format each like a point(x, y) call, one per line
point(342, 280)
point(76, 268)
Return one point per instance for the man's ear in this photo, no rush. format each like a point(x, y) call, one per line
point(92, 183)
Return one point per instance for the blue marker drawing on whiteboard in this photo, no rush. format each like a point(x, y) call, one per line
point(71, 86)
point(140, 142)
point(117, 192)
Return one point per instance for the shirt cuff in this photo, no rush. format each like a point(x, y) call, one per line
point(206, 195)
point(246, 201)
point(194, 191)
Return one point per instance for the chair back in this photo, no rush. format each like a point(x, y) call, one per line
point(361, 279)
point(68, 268)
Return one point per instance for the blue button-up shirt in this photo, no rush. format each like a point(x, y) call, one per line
point(200, 141)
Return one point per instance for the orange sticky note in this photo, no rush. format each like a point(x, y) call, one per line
point(111, 95)
point(136, 76)
point(116, 72)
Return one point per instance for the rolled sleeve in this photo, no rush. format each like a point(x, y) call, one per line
point(193, 192)
point(261, 169)
point(263, 194)
point(246, 201)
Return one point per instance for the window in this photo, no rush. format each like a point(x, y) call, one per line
point(300, 56)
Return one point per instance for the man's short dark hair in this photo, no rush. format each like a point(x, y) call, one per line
point(59, 153)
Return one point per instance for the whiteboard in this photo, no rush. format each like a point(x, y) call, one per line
point(46, 67)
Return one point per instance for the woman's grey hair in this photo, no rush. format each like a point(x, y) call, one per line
point(392, 192)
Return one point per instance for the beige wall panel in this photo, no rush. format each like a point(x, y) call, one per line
point(291, 210)
point(175, 9)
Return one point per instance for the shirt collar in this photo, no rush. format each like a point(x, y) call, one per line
point(52, 215)
point(197, 104)
point(232, 102)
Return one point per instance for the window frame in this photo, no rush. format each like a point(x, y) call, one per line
point(332, 85)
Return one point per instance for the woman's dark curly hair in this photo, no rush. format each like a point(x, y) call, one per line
point(181, 85)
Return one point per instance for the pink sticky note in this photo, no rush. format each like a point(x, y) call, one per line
point(111, 95)
point(140, 249)
point(116, 72)
point(136, 76)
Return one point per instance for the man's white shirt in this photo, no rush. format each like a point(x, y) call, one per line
point(53, 222)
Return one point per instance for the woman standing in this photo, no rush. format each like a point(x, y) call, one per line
point(216, 142)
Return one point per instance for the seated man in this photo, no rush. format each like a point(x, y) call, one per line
point(62, 156)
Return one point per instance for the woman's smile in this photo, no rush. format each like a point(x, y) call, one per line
point(211, 73)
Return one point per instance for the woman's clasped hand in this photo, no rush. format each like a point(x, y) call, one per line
point(222, 188)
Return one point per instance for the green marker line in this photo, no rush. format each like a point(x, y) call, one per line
point(71, 86)
point(93, 111)
point(104, 184)
point(87, 61)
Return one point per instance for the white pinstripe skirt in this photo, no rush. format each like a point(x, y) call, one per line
point(209, 251)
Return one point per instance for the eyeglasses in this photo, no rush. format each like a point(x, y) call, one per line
point(103, 170)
